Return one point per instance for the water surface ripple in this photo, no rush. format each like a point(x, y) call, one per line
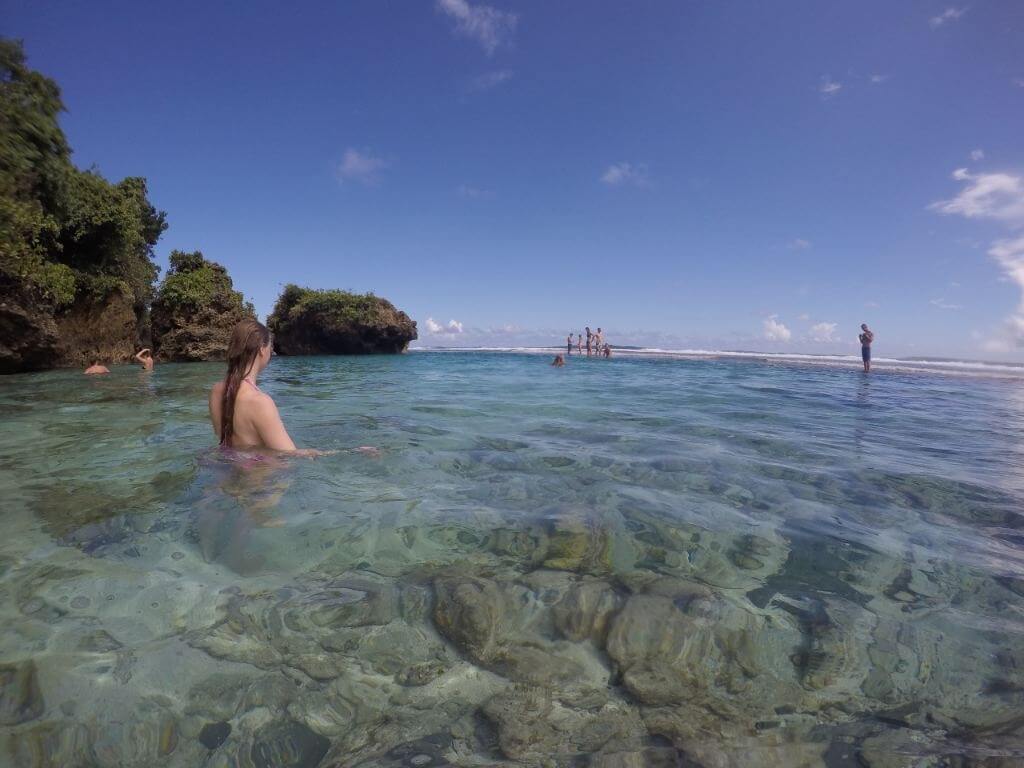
point(642, 561)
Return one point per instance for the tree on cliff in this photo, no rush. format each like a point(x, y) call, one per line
point(195, 309)
point(324, 322)
point(68, 238)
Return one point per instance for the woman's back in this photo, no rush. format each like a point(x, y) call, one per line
point(255, 424)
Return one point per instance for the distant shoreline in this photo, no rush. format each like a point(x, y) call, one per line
point(901, 365)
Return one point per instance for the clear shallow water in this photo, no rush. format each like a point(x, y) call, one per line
point(629, 562)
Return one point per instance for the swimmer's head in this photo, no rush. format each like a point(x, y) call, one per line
point(249, 348)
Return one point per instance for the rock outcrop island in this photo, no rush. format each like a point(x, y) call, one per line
point(329, 322)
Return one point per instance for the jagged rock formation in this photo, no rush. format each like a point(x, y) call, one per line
point(28, 333)
point(35, 335)
point(318, 322)
point(195, 309)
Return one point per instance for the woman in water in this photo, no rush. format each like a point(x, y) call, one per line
point(242, 415)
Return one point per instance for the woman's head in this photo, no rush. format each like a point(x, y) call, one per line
point(248, 353)
point(249, 348)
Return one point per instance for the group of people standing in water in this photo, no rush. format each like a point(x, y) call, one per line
point(593, 343)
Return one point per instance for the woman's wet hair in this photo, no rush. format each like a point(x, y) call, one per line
point(248, 338)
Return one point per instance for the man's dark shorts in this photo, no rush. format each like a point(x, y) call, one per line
point(865, 354)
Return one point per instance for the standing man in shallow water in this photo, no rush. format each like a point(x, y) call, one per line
point(866, 337)
point(568, 345)
point(589, 335)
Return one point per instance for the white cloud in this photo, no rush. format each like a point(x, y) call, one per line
point(435, 328)
point(876, 79)
point(943, 304)
point(474, 193)
point(977, 154)
point(1019, 82)
point(360, 166)
point(823, 332)
point(799, 244)
point(829, 87)
point(625, 173)
point(997, 196)
point(950, 14)
point(1009, 254)
point(489, 80)
point(488, 26)
point(804, 317)
point(776, 331)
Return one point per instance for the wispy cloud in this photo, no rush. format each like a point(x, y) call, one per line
point(876, 79)
point(774, 330)
point(361, 166)
point(950, 14)
point(435, 328)
point(798, 244)
point(488, 26)
point(474, 193)
point(829, 87)
point(489, 80)
point(824, 332)
point(997, 196)
point(1000, 197)
point(1019, 82)
point(977, 154)
point(943, 304)
point(619, 174)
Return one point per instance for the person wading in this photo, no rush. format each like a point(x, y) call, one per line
point(866, 337)
point(242, 415)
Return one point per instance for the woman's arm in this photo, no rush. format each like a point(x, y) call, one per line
point(215, 404)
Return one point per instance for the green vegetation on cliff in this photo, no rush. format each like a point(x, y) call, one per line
point(306, 321)
point(62, 229)
point(195, 309)
point(69, 239)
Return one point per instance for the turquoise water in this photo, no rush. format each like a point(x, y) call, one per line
point(643, 561)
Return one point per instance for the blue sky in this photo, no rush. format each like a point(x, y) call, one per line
point(737, 175)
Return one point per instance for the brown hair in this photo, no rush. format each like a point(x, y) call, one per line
point(248, 338)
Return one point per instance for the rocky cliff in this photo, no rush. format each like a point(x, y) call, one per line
point(36, 335)
point(319, 322)
point(195, 309)
point(28, 333)
point(76, 250)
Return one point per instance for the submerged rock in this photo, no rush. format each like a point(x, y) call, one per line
point(319, 322)
point(20, 697)
point(287, 745)
point(531, 726)
point(213, 735)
